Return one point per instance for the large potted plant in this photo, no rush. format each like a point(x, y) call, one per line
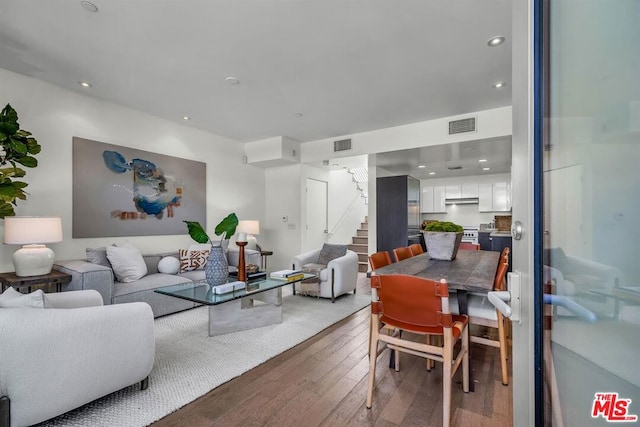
point(217, 268)
point(442, 239)
point(17, 147)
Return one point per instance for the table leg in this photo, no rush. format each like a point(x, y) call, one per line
point(463, 308)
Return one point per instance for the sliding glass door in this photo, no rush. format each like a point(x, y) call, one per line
point(589, 252)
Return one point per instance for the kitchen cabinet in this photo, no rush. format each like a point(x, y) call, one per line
point(484, 240)
point(432, 199)
point(439, 194)
point(397, 211)
point(494, 197)
point(453, 191)
point(469, 191)
point(485, 197)
point(426, 200)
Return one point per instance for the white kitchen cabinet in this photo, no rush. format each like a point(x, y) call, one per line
point(427, 199)
point(432, 200)
point(469, 191)
point(439, 194)
point(500, 198)
point(453, 191)
point(485, 197)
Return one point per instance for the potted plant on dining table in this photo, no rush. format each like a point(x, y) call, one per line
point(442, 239)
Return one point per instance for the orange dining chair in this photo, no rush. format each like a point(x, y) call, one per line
point(402, 253)
point(416, 249)
point(469, 246)
point(379, 259)
point(483, 313)
point(420, 306)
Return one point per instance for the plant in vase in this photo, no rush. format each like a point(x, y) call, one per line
point(217, 268)
point(442, 239)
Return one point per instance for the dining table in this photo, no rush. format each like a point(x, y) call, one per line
point(470, 271)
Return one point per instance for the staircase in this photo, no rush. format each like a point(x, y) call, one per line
point(360, 246)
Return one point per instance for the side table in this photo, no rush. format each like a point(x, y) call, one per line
point(264, 255)
point(56, 278)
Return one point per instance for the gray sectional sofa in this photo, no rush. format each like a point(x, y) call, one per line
point(87, 275)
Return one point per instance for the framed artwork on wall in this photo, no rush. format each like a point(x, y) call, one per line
point(120, 191)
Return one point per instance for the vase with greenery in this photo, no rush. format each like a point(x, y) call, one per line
point(217, 268)
point(442, 239)
point(17, 147)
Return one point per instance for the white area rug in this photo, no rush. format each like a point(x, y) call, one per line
point(189, 363)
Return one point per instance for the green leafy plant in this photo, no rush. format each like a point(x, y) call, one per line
point(444, 226)
point(17, 146)
point(226, 228)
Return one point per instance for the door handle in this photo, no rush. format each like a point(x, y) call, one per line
point(500, 299)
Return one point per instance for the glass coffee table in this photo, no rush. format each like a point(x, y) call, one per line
point(258, 304)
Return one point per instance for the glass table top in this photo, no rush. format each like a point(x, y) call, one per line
point(202, 293)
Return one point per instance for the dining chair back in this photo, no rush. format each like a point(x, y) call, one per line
point(469, 246)
point(402, 253)
point(416, 249)
point(420, 306)
point(379, 259)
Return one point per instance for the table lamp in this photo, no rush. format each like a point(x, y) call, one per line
point(34, 258)
point(247, 231)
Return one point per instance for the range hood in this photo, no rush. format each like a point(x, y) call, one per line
point(461, 201)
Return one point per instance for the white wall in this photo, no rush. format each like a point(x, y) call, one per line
point(465, 214)
point(347, 208)
point(54, 115)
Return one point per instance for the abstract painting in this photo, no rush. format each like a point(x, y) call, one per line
point(120, 191)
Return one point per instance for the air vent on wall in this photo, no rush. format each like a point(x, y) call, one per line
point(462, 126)
point(342, 145)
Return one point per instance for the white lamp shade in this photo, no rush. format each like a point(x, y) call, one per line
point(250, 227)
point(26, 230)
point(34, 258)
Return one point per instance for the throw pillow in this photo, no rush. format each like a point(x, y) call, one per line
point(127, 263)
point(169, 265)
point(98, 256)
point(330, 252)
point(14, 299)
point(192, 260)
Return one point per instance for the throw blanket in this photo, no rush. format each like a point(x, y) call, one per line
point(311, 287)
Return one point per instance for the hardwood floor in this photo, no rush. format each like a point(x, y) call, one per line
point(323, 382)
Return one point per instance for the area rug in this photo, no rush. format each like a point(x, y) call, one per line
point(189, 363)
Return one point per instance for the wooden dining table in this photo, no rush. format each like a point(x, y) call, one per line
point(470, 271)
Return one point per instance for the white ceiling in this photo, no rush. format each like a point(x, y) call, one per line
point(347, 66)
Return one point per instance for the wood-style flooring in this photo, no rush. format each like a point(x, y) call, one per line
point(323, 382)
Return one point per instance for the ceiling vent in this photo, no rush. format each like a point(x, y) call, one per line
point(454, 168)
point(342, 145)
point(462, 126)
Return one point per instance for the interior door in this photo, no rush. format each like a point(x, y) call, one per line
point(317, 224)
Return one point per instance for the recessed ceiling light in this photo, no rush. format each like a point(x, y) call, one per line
point(84, 84)
point(496, 41)
point(335, 165)
point(232, 80)
point(299, 115)
point(87, 5)
point(486, 169)
point(432, 173)
point(421, 166)
point(499, 85)
point(482, 160)
point(186, 118)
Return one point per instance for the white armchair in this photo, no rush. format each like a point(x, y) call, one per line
point(339, 277)
point(70, 353)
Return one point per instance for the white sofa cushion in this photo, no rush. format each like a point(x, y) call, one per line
point(127, 263)
point(14, 299)
point(169, 265)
